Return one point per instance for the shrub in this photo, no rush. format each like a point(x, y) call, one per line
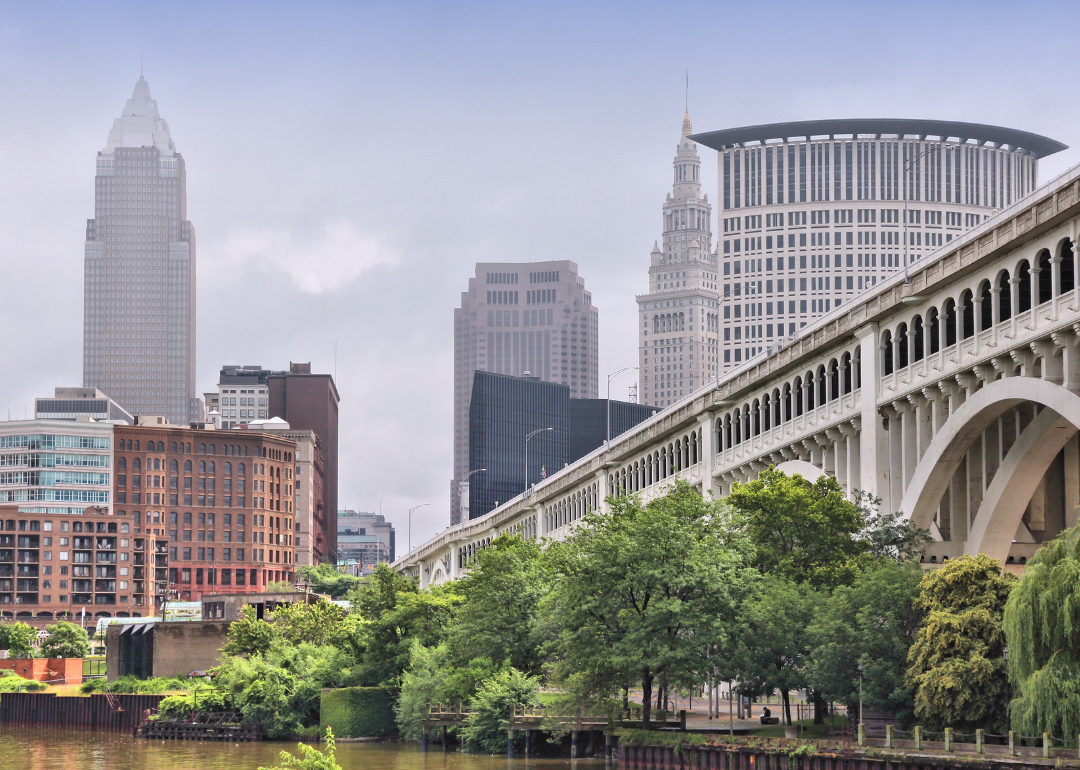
point(358, 712)
point(12, 682)
point(207, 700)
point(130, 685)
point(310, 757)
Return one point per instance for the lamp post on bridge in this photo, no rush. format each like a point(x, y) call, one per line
point(461, 491)
point(527, 438)
point(414, 508)
point(907, 168)
point(610, 377)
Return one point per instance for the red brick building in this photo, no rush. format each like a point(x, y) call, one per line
point(223, 500)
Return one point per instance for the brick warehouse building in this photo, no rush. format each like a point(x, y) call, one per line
point(221, 499)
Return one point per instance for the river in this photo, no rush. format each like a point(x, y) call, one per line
point(48, 749)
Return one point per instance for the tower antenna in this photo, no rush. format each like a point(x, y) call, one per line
point(140, 61)
point(688, 90)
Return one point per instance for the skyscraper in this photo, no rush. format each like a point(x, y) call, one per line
point(677, 335)
point(518, 318)
point(139, 294)
point(816, 212)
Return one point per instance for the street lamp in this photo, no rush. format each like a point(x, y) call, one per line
point(907, 168)
point(610, 377)
point(415, 507)
point(527, 438)
point(461, 491)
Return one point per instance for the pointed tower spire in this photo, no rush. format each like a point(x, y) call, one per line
point(686, 129)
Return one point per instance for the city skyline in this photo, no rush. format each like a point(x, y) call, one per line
point(304, 248)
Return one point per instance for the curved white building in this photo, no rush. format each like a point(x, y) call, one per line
point(813, 212)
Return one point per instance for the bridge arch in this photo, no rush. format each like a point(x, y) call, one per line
point(999, 513)
point(808, 471)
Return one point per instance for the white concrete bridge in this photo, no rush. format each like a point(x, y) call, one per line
point(954, 397)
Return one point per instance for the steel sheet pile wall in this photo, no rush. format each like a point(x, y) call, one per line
point(24, 709)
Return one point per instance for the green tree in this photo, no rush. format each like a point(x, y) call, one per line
point(500, 595)
point(327, 579)
point(643, 593)
point(310, 757)
point(18, 639)
point(320, 623)
point(775, 647)
point(1042, 626)
point(871, 625)
point(66, 640)
point(955, 665)
point(800, 531)
point(485, 726)
point(397, 613)
point(248, 634)
point(422, 684)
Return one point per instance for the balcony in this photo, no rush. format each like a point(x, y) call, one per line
point(26, 598)
point(28, 557)
point(82, 599)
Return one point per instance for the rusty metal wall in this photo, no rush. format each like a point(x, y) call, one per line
point(25, 709)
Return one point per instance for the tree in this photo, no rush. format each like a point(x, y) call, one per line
point(327, 579)
point(955, 665)
point(18, 639)
point(490, 710)
point(642, 593)
point(248, 634)
point(500, 595)
point(1042, 620)
point(66, 640)
point(889, 535)
point(320, 623)
point(869, 626)
point(800, 531)
point(775, 647)
point(422, 684)
point(396, 613)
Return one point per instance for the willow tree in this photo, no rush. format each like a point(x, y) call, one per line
point(1042, 626)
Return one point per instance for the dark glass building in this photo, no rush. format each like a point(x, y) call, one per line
point(589, 422)
point(504, 410)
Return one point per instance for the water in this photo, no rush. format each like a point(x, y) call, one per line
point(47, 749)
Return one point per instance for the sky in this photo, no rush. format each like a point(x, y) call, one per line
point(348, 163)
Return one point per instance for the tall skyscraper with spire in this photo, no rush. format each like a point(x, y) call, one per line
point(139, 294)
point(677, 332)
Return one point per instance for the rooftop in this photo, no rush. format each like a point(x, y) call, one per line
point(1036, 145)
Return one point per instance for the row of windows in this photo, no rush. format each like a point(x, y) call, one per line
point(127, 445)
point(49, 441)
point(52, 478)
point(205, 466)
point(502, 278)
point(54, 460)
point(875, 170)
point(543, 276)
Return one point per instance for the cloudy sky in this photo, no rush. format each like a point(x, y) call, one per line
point(348, 163)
